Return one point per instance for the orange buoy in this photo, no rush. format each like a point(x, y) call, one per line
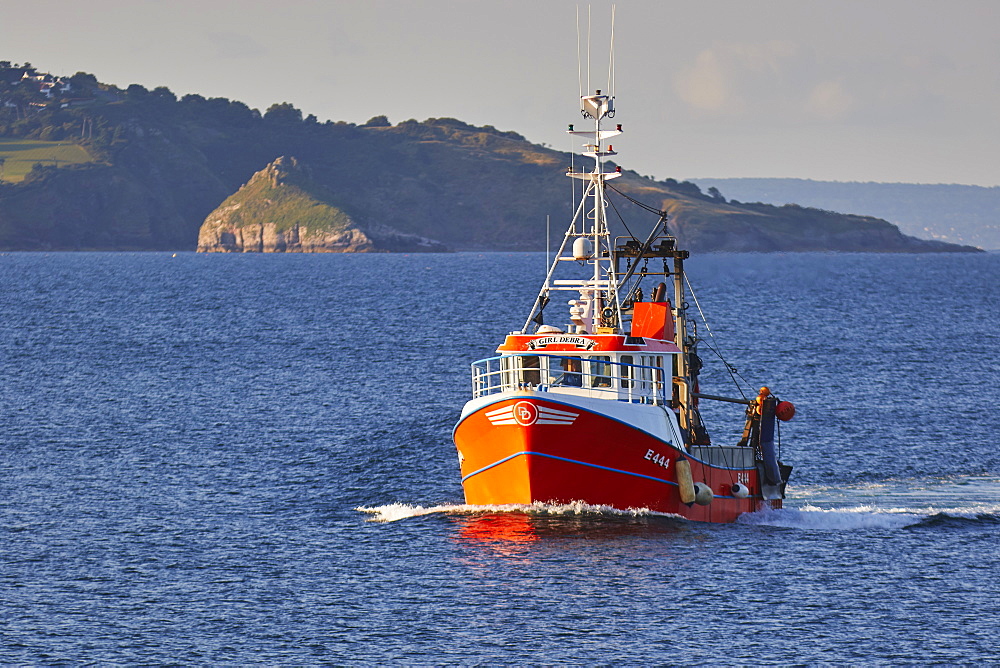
point(784, 411)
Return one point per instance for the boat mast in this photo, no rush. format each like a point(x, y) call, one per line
point(605, 309)
point(590, 242)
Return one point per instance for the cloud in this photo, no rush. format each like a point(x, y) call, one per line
point(737, 78)
point(705, 85)
point(770, 83)
point(830, 101)
point(778, 83)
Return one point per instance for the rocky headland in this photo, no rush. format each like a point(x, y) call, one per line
point(281, 209)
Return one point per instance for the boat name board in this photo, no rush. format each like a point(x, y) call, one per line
point(577, 341)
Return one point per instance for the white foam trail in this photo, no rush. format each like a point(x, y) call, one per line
point(888, 504)
point(833, 519)
point(891, 504)
point(393, 512)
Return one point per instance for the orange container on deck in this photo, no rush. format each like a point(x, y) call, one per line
point(652, 320)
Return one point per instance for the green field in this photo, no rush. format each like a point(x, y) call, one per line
point(20, 155)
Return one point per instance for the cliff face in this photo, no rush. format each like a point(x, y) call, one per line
point(220, 235)
point(281, 209)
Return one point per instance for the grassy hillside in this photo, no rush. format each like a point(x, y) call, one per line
point(18, 156)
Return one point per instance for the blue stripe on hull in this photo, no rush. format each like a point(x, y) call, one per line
point(564, 459)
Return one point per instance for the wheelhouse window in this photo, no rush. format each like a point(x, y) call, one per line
point(600, 371)
point(530, 370)
point(566, 371)
point(627, 370)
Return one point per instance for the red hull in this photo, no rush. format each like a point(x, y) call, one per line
point(524, 450)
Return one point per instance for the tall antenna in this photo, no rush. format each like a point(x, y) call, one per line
point(611, 56)
point(579, 56)
point(589, 30)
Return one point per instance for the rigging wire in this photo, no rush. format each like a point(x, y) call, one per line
point(733, 371)
point(639, 204)
point(624, 224)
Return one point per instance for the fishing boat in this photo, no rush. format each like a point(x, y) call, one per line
point(603, 408)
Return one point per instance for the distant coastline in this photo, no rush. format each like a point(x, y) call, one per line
point(955, 213)
point(134, 168)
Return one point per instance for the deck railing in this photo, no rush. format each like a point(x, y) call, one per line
point(596, 376)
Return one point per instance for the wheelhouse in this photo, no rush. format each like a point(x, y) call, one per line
point(636, 377)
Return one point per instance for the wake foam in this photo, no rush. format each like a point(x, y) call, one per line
point(889, 504)
point(393, 512)
point(960, 502)
point(870, 517)
point(832, 519)
point(806, 517)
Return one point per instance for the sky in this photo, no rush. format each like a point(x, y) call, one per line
point(843, 90)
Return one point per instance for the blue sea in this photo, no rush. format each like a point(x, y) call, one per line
point(247, 459)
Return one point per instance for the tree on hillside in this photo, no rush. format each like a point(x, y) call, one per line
point(284, 112)
point(164, 93)
point(714, 193)
point(85, 83)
